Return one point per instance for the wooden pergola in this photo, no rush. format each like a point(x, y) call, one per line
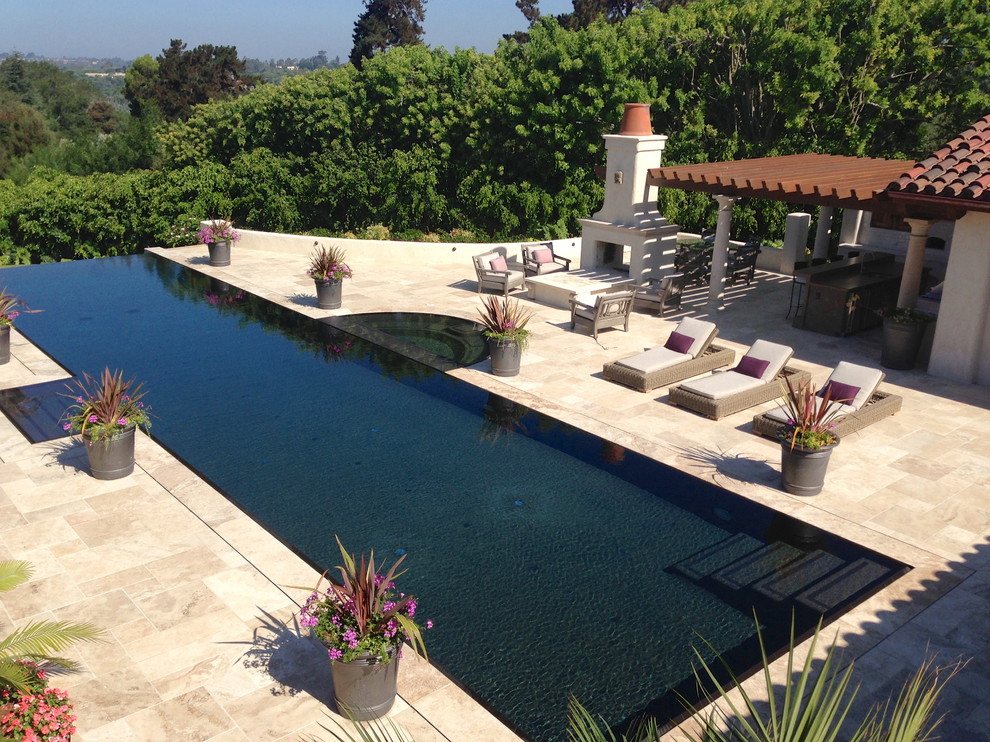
point(812, 179)
point(826, 181)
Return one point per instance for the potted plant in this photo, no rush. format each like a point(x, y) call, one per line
point(8, 312)
point(105, 413)
point(218, 234)
point(505, 327)
point(328, 269)
point(29, 709)
point(362, 622)
point(903, 330)
point(807, 440)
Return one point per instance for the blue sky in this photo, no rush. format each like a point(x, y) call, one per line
point(291, 28)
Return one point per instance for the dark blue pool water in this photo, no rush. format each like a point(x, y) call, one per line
point(551, 562)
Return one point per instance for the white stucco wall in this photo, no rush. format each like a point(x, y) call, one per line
point(436, 253)
point(961, 348)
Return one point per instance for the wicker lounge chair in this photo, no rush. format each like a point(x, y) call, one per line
point(740, 388)
point(502, 275)
point(867, 405)
point(664, 366)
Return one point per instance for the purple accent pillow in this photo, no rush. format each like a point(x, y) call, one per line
point(751, 367)
point(543, 255)
point(499, 264)
point(844, 393)
point(679, 343)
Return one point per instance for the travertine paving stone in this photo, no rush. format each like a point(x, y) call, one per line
point(202, 643)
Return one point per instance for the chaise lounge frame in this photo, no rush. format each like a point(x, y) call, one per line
point(712, 357)
point(879, 406)
point(719, 408)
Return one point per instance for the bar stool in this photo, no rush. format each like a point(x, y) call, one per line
point(798, 283)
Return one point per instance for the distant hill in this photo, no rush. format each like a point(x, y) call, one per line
point(77, 64)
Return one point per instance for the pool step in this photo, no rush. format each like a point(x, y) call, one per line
point(843, 584)
point(779, 571)
point(750, 574)
point(795, 577)
point(764, 561)
point(716, 557)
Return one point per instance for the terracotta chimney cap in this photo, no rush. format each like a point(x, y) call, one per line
point(636, 120)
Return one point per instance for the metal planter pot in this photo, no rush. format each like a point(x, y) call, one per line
point(112, 458)
point(365, 688)
point(506, 357)
point(219, 253)
point(4, 343)
point(802, 471)
point(329, 294)
point(901, 343)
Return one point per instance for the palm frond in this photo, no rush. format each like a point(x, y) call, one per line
point(377, 730)
point(14, 573)
point(802, 715)
point(912, 718)
point(40, 638)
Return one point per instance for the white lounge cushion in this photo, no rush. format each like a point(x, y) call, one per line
point(722, 385)
point(697, 329)
point(653, 360)
point(864, 377)
point(776, 354)
point(781, 415)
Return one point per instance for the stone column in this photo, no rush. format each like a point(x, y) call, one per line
point(823, 231)
point(849, 231)
point(720, 254)
point(914, 262)
point(795, 239)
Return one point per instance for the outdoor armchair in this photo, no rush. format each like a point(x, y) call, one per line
point(599, 311)
point(495, 272)
point(540, 259)
point(658, 298)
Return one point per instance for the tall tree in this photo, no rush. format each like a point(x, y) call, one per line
point(13, 78)
point(139, 84)
point(179, 79)
point(385, 24)
point(587, 12)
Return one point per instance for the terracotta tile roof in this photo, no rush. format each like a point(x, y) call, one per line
point(959, 170)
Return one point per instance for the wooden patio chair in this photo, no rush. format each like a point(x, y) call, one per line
point(495, 272)
point(607, 310)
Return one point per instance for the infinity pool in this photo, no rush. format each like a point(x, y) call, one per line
point(551, 562)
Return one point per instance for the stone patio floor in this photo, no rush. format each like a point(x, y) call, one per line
point(202, 643)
